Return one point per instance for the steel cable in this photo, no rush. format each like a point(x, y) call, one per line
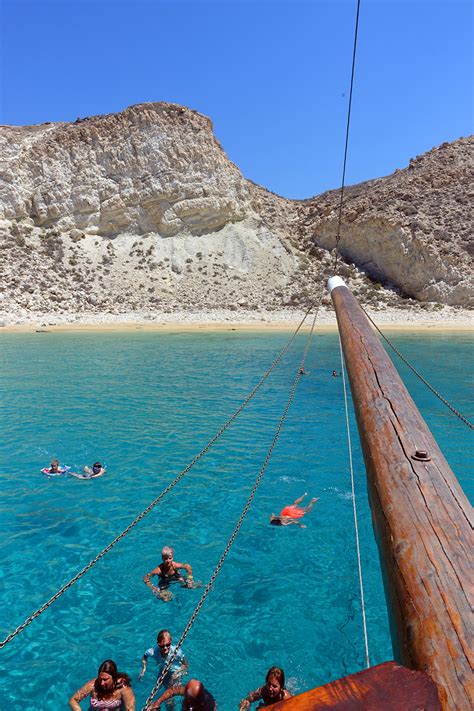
point(354, 52)
point(414, 370)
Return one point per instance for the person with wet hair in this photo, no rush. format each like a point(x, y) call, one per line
point(96, 470)
point(292, 513)
point(272, 691)
point(162, 653)
point(166, 572)
point(109, 690)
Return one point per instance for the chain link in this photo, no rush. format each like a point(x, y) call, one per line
point(233, 536)
point(414, 370)
point(165, 491)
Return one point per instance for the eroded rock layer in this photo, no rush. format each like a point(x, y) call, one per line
point(143, 209)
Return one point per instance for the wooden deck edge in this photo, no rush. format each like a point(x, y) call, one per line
point(385, 687)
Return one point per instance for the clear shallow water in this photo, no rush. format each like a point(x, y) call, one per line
point(145, 404)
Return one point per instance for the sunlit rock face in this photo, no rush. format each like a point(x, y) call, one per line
point(143, 210)
point(412, 228)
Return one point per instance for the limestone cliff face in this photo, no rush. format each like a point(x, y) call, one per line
point(412, 229)
point(142, 209)
point(152, 168)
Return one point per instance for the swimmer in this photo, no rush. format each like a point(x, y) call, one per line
point(161, 653)
point(272, 691)
point(109, 690)
point(166, 572)
point(54, 467)
point(302, 371)
point(293, 512)
point(88, 473)
point(196, 697)
point(97, 470)
point(335, 374)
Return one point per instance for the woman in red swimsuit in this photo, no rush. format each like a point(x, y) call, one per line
point(293, 512)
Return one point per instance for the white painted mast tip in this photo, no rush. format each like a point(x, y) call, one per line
point(335, 281)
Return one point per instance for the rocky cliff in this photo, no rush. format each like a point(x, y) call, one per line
point(143, 210)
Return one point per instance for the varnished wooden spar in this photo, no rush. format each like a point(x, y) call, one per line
point(386, 687)
point(422, 519)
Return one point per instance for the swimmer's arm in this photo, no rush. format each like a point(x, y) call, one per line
point(81, 694)
point(286, 694)
point(173, 691)
point(250, 698)
point(186, 567)
point(287, 521)
point(128, 699)
point(142, 673)
point(147, 581)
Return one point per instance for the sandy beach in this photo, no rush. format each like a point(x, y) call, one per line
point(445, 319)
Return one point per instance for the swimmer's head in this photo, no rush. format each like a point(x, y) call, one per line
point(275, 520)
point(97, 467)
point(275, 681)
point(167, 553)
point(54, 464)
point(164, 642)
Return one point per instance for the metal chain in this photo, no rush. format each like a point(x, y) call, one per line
point(165, 491)
point(233, 536)
point(414, 370)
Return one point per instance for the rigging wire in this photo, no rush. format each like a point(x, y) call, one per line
point(165, 491)
point(354, 52)
point(240, 521)
point(354, 508)
point(414, 370)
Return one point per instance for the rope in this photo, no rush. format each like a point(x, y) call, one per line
point(338, 236)
point(233, 536)
point(354, 508)
point(165, 491)
point(414, 370)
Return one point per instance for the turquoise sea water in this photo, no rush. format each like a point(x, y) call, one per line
point(144, 404)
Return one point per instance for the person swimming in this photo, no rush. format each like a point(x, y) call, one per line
point(291, 513)
point(166, 572)
point(55, 468)
point(270, 693)
point(97, 470)
point(162, 653)
point(111, 689)
point(90, 473)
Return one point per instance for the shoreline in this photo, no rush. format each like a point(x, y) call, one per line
point(223, 320)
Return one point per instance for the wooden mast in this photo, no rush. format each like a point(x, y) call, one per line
point(422, 519)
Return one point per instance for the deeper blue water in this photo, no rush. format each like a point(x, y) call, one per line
point(144, 404)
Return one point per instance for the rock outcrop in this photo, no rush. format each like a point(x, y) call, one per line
point(412, 229)
point(143, 210)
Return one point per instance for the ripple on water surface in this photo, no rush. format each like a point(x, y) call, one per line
point(145, 404)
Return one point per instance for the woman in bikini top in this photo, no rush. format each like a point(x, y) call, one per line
point(109, 690)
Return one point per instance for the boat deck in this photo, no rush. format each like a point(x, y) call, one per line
point(385, 687)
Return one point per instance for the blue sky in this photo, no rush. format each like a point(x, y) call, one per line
point(273, 75)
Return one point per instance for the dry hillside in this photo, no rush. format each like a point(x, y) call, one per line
point(142, 210)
